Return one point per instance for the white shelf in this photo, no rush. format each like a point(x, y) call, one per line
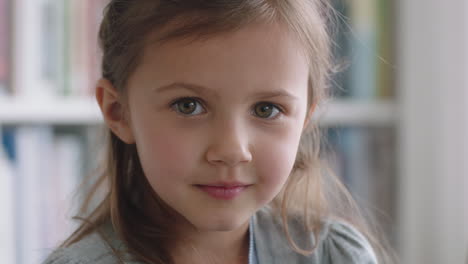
point(85, 111)
point(66, 111)
point(360, 113)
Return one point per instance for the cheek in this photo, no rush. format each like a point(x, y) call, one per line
point(275, 160)
point(165, 156)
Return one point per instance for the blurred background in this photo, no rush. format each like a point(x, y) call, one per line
point(397, 125)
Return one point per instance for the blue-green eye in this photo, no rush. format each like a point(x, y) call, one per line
point(267, 110)
point(188, 106)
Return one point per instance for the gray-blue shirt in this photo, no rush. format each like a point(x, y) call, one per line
point(338, 243)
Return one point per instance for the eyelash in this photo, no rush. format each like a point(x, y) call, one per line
point(173, 106)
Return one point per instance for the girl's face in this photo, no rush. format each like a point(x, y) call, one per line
point(217, 122)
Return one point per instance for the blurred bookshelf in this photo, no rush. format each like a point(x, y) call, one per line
point(49, 119)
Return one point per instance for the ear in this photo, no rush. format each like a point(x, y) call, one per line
point(309, 114)
point(113, 110)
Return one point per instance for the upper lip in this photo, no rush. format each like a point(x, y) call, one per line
point(225, 184)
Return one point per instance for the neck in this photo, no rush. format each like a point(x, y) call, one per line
point(198, 246)
point(191, 245)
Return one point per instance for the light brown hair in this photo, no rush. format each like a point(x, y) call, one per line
point(312, 191)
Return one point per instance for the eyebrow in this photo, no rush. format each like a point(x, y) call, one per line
point(207, 91)
point(189, 86)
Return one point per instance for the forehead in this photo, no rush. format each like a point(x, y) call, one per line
point(256, 55)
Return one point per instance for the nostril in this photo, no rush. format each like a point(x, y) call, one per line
point(229, 146)
point(230, 157)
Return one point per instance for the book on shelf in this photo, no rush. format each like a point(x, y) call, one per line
point(46, 165)
point(363, 46)
point(7, 220)
point(56, 50)
point(32, 182)
point(363, 17)
point(5, 44)
point(364, 159)
point(385, 45)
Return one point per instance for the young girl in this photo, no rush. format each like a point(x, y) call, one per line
point(211, 156)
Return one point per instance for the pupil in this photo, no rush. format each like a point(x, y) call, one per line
point(264, 110)
point(188, 106)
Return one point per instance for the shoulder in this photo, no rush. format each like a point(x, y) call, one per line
point(91, 249)
point(338, 242)
point(342, 243)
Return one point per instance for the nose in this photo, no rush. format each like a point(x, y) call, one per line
point(229, 145)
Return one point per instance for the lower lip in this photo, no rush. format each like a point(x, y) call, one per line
point(223, 193)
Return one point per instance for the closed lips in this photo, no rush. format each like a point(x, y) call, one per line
point(223, 192)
